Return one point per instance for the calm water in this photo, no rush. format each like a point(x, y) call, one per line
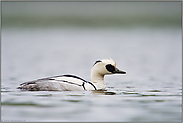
point(150, 91)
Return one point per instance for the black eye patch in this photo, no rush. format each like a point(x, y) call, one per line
point(110, 68)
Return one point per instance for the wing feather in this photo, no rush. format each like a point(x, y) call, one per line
point(55, 83)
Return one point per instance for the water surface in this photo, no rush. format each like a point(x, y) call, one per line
point(150, 91)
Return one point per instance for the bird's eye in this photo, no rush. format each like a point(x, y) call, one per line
point(110, 68)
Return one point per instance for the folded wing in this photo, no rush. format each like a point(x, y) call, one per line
point(58, 83)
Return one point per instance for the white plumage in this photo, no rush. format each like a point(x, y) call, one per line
point(75, 83)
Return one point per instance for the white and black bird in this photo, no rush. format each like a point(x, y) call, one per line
point(75, 83)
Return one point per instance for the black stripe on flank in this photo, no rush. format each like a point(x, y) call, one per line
point(75, 77)
point(67, 75)
point(84, 86)
point(93, 85)
point(51, 78)
point(69, 82)
point(82, 79)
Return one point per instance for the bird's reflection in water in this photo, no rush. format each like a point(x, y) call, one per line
point(103, 92)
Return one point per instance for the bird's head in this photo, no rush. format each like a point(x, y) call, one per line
point(106, 66)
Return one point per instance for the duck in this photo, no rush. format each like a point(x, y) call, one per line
point(69, 82)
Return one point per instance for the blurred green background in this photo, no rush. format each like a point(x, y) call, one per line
point(91, 14)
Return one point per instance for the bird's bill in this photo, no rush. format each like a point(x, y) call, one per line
point(119, 71)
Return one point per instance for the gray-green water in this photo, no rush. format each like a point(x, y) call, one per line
point(150, 91)
point(43, 39)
